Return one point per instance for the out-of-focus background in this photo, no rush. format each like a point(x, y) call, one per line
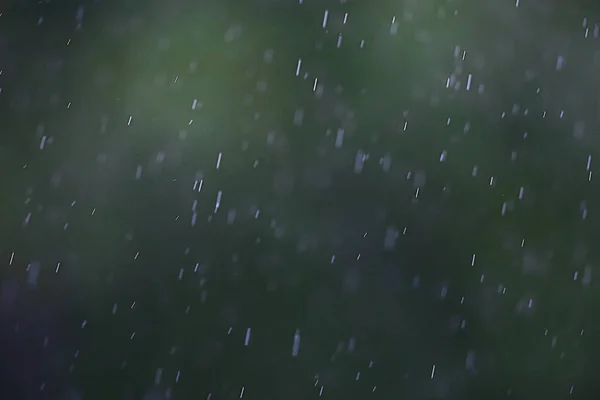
point(297, 199)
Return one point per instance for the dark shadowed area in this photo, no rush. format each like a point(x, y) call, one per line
point(297, 199)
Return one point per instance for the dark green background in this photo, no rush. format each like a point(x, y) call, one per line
point(149, 60)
